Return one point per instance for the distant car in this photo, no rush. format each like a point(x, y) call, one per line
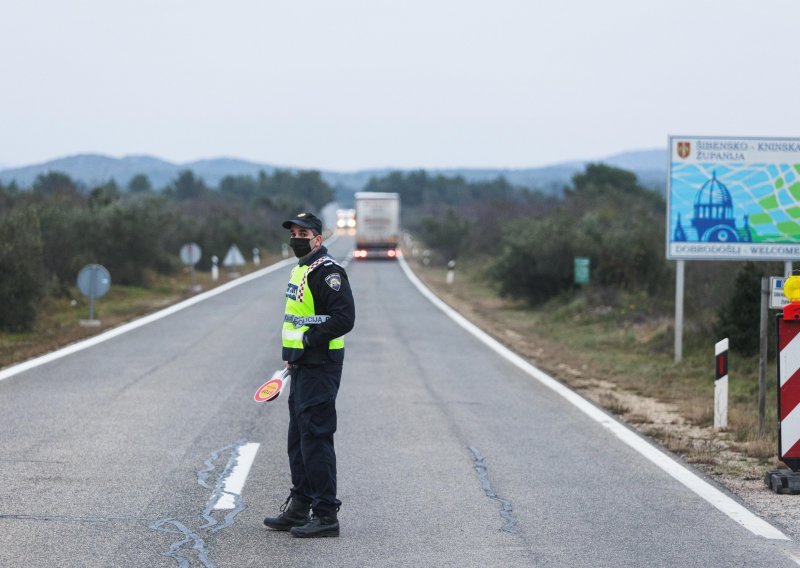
point(345, 218)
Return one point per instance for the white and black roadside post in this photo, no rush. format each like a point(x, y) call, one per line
point(721, 385)
point(191, 253)
point(451, 269)
point(215, 268)
point(256, 257)
point(284, 250)
point(426, 257)
point(93, 281)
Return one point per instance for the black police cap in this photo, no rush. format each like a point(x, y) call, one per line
point(305, 220)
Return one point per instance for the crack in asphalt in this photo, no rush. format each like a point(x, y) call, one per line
point(218, 489)
point(509, 521)
point(68, 519)
point(198, 544)
point(478, 461)
point(192, 539)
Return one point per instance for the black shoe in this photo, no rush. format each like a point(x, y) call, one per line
point(295, 516)
point(318, 527)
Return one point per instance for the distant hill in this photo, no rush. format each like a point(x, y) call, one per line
point(91, 169)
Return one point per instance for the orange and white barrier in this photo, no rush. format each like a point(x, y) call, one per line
point(789, 391)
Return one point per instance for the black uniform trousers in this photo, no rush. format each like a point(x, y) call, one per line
point(312, 423)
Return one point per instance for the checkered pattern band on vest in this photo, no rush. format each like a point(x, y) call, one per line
point(316, 263)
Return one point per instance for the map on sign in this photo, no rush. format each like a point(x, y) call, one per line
point(734, 198)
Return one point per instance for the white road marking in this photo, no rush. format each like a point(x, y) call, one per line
point(235, 481)
point(110, 334)
point(793, 557)
point(714, 496)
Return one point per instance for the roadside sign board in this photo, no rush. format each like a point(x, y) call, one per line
point(191, 253)
point(234, 257)
point(733, 198)
point(94, 280)
point(777, 300)
point(581, 270)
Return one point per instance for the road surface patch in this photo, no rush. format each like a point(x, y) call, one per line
point(225, 494)
point(506, 509)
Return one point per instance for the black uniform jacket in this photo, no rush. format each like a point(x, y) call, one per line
point(332, 297)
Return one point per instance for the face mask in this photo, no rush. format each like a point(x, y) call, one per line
point(301, 247)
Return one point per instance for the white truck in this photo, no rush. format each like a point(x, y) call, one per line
point(377, 225)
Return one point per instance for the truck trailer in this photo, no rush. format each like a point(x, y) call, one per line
point(377, 225)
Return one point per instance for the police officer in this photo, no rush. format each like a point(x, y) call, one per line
point(319, 312)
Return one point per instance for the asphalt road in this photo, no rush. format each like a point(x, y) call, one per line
point(448, 454)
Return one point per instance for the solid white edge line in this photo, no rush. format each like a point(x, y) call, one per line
point(714, 496)
point(235, 481)
point(135, 324)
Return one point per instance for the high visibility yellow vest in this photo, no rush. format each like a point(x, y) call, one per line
point(300, 314)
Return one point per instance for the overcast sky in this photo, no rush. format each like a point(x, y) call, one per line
point(350, 84)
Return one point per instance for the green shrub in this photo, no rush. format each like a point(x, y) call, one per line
point(22, 279)
point(739, 317)
point(535, 261)
point(447, 234)
point(606, 217)
point(129, 239)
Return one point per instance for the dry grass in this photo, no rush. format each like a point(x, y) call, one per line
point(699, 411)
point(612, 403)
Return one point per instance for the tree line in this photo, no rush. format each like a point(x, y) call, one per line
point(525, 240)
point(49, 230)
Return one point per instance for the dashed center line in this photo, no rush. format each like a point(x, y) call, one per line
point(234, 483)
point(226, 494)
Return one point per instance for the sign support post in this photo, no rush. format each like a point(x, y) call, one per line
point(679, 281)
point(762, 357)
